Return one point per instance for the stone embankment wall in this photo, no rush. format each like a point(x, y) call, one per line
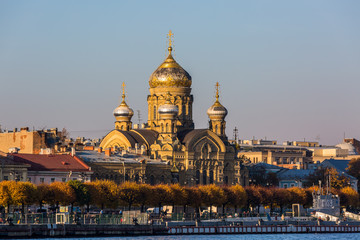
point(67, 230)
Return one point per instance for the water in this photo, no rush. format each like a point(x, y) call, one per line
point(310, 236)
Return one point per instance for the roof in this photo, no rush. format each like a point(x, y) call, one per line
point(264, 165)
point(8, 161)
point(298, 174)
point(116, 157)
point(340, 165)
point(187, 135)
point(61, 163)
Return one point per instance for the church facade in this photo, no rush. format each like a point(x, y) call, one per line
point(196, 156)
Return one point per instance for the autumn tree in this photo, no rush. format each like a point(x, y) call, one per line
point(129, 192)
point(179, 196)
point(193, 199)
point(349, 198)
point(212, 195)
point(160, 194)
point(235, 196)
point(254, 197)
point(354, 169)
point(25, 194)
point(63, 194)
point(281, 198)
point(43, 195)
point(144, 195)
point(104, 193)
point(298, 195)
point(6, 194)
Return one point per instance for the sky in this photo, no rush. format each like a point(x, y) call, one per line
point(288, 70)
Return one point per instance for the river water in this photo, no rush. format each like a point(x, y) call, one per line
point(308, 236)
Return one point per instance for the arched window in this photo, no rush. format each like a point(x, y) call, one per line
point(197, 177)
point(137, 178)
point(162, 127)
point(154, 112)
point(211, 177)
point(216, 129)
point(204, 177)
point(152, 180)
point(167, 128)
point(162, 179)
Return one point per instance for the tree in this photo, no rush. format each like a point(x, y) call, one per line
point(160, 194)
point(104, 193)
point(144, 195)
point(129, 192)
point(354, 169)
point(193, 199)
point(254, 197)
point(337, 180)
point(24, 194)
point(63, 194)
point(6, 196)
point(82, 195)
point(212, 195)
point(298, 195)
point(179, 196)
point(235, 196)
point(349, 198)
point(282, 198)
point(43, 195)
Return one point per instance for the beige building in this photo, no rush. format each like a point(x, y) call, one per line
point(11, 170)
point(25, 141)
point(201, 156)
point(283, 156)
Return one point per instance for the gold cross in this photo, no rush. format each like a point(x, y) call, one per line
point(123, 91)
point(217, 90)
point(170, 37)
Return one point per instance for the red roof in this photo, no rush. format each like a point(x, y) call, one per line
point(64, 162)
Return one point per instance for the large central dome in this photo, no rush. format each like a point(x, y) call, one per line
point(170, 74)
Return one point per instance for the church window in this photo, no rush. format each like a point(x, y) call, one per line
point(162, 127)
point(216, 129)
point(162, 179)
point(211, 177)
point(189, 162)
point(152, 180)
point(197, 177)
point(154, 112)
point(204, 177)
point(167, 128)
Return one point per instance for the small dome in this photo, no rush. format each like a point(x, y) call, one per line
point(123, 111)
point(347, 146)
point(217, 110)
point(170, 74)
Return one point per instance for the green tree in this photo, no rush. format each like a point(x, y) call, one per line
point(82, 194)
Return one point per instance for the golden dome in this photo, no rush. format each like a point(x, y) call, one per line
point(170, 74)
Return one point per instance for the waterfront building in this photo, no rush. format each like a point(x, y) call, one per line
point(11, 170)
point(48, 168)
point(199, 156)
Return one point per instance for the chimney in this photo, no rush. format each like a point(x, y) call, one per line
point(108, 152)
point(100, 149)
point(72, 151)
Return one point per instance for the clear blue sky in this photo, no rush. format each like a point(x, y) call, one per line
point(288, 70)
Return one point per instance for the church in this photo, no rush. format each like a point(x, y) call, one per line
point(194, 156)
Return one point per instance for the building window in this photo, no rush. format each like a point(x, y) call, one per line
point(189, 162)
point(52, 180)
point(154, 112)
point(292, 185)
point(63, 179)
point(42, 180)
point(29, 179)
point(285, 186)
point(6, 178)
point(74, 178)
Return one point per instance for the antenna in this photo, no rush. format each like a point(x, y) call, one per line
point(235, 134)
point(139, 116)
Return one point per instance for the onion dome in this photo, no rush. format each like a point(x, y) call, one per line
point(217, 111)
point(168, 110)
point(174, 169)
point(123, 111)
point(170, 73)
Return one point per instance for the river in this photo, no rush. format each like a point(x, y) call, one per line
point(309, 236)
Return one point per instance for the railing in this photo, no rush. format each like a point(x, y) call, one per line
point(352, 216)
